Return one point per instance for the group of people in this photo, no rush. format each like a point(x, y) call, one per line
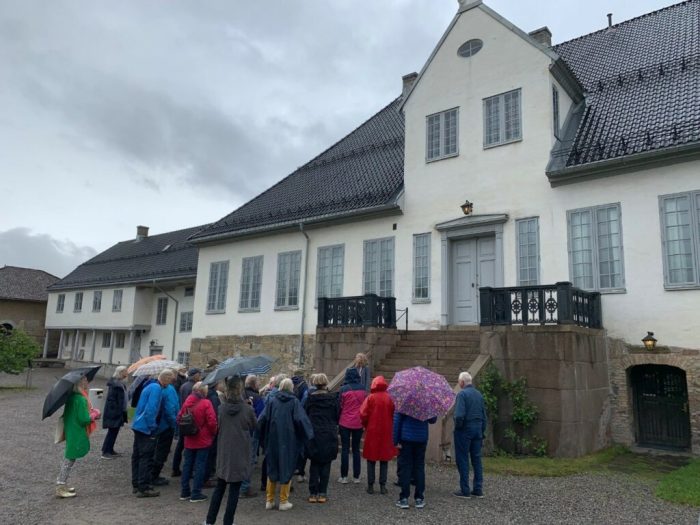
point(221, 430)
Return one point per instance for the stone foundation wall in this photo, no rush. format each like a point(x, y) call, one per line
point(622, 358)
point(567, 373)
point(26, 315)
point(284, 348)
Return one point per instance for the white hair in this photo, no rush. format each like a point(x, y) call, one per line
point(466, 378)
point(118, 372)
point(286, 385)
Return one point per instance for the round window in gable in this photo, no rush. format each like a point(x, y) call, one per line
point(470, 47)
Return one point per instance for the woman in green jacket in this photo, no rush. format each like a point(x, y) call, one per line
point(76, 419)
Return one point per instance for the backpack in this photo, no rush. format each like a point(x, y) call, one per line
point(136, 393)
point(187, 424)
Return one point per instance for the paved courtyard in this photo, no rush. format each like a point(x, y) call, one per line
point(29, 464)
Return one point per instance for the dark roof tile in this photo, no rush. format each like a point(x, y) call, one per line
point(25, 284)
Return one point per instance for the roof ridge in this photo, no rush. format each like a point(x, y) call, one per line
point(30, 269)
point(624, 22)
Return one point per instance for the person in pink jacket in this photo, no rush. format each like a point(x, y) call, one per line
point(352, 394)
point(197, 445)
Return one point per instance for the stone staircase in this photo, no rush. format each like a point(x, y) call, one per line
point(447, 352)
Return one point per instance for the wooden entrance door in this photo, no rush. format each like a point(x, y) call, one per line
point(661, 406)
point(473, 265)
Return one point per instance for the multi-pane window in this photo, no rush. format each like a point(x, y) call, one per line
point(162, 311)
point(441, 134)
point(251, 282)
point(288, 276)
point(421, 267)
point(218, 283)
point(502, 119)
point(106, 339)
point(189, 291)
point(60, 303)
point(186, 321)
point(83, 339)
point(78, 304)
point(680, 233)
point(378, 268)
point(96, 301)
point(527, 231)
point(183, 358)
point(595, 248)
point(329, 276)
point(555, 111)
point(119, 340)
point(117, 300)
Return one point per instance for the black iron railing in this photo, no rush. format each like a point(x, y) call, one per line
point(559, 303)
point(363, 310)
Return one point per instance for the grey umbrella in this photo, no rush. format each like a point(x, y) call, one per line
point(59, 393)
point(239, 366)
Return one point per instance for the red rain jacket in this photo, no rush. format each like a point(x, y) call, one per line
point(377, 414)
point(203, 413)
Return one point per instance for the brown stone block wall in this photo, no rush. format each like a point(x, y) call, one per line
point(27, 315)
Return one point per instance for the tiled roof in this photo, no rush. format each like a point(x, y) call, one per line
point(25, 284)
point(165, 256)
point(364, 170)
point(642, 79)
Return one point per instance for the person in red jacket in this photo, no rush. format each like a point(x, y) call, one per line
point(197, 446)
point(377, 414)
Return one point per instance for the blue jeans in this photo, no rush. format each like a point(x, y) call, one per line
point(195, 467)
point(412, 467)
point(468, 442)
point(346, 436)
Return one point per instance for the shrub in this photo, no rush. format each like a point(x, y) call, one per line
point(16, 349)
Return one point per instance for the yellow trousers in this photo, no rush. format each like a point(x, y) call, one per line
point(284, 491)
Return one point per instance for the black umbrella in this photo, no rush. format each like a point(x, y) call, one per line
point(60, 392)
point(239, 366)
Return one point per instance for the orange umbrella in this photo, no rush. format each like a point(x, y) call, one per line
point(143, 361)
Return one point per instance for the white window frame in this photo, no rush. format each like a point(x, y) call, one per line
point(83, 339)
point(97, 300)
point(189, 291)
point(106, 339)
point(119, 340)
point(519, 255)
point(288, 278)
point(694, 231)
point(183, 358)
point(117, 297)
point(251, 284)
point(218, 287)
point(376, 286)
point(186, 321)
point(60, 303)
point(329, 281)
point(442, 135)
point(595, 248)
point(78, 302)
point(162, 311)
point(500, 100)
point(416, 266)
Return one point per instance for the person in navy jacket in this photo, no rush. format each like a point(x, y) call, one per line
point(411, 438)
point(470, 426)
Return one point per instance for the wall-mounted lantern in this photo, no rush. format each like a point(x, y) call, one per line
point(649, 341)
point(467, 208)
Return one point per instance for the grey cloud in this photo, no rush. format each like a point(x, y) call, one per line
point(21, 247)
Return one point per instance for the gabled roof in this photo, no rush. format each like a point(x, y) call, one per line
point(642, 79)
point(361, 172)
point(162, 257)
point(24, 284)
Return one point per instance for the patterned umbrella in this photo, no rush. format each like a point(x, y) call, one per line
point(143, 361)
point(421, 393)
point(156, 367)
point(239, 366)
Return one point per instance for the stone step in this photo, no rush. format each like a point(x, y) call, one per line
point(448, 353)
point(407, 362)
point(449, 372)
point(427, 342)
point(441, 336)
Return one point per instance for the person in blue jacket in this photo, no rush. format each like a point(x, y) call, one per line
point(145, 427)
point(470, 426)
point(411, 438)
point(166, 432)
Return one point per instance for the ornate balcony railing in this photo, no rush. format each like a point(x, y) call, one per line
point(363, 310)
point(559, 303)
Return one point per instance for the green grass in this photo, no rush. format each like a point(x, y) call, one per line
point(682, 485)
point(551, 467)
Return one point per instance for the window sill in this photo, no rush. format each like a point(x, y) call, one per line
point(285, 308)
point(420, 301)
point(612, 291)
point(491, 146)
point(681, 287)
point(442, 157)
point(248, 310)
point(116, 311)
point(215, 312)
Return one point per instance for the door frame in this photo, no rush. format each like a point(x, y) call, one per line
point(464, 228)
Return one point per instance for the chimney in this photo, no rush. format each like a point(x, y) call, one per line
point(141, 232)
point(408, 81)
point(542, 35)
point(610, 20)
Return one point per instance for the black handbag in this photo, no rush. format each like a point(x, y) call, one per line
point(187, 424)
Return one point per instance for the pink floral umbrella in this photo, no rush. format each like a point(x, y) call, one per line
point(421, 393)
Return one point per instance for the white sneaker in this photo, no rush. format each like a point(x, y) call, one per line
point(285, 506)
point(269, 505)
point(343, 480)
point(356, 480)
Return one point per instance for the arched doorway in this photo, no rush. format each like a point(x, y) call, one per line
point(660, 395)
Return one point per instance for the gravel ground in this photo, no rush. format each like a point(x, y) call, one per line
point(29, 462)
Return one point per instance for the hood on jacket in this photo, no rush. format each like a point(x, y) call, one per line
point(284, 396)
point(352, 376)
point(323, 398)
point(232, 408)
point(379, 384)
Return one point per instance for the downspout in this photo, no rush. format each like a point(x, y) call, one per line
point(303, 296)
point(177, 305)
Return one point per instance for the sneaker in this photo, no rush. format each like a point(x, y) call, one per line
point(460, 494)
point(160, 482)
point(370, 489)
point(322, 498)
point(63, 492)
point(176, 474)
point(184, 498)
point(313, 499)
point(356, 480)
point(198, 498)
point(477, 494)
point(116, 454)
point(420, 503)
point(107, 456)
point(343, 480)
point(402, 503)
point(148, 493)
point(269, 505)
point(382, 489)
point(285, 506)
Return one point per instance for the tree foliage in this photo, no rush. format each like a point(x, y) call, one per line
point(16, 349)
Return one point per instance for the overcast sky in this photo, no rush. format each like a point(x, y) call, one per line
point(173, 113)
